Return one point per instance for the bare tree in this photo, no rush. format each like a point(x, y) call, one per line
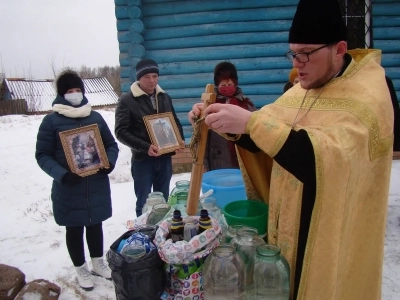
point(52, 62)
point(111, 73)
point(34, 94)
point(2, 72)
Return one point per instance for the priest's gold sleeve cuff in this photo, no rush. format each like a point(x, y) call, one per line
point(268, 133)
point(231, 137)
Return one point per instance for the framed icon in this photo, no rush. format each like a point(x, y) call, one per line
point(163, 132)
point(84, 150)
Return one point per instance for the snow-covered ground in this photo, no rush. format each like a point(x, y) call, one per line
point(31, 241)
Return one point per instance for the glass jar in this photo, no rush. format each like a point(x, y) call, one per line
point(156, 195)
point(223, 274)
point(210, 204)
point(132, 253)
point(271, 278)
point(158, 213)
point(181, 190)
point(246, 242)
point(150, 202)
point(231, 232)
point(149, 230)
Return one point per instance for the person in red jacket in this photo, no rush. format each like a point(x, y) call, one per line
point(220, 153)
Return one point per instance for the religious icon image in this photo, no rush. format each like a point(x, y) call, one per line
point(84, 150)
point(163, 132)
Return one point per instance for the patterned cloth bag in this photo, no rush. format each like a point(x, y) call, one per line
point(184, 281)
point(184, 260)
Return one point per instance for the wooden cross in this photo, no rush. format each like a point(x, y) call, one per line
point(199, 138)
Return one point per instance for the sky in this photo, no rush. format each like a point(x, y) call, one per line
point(39, 34)
point(31, 240)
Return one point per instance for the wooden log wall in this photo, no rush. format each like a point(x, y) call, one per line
point(386, 36)
point(188, 38)
point(13, 107)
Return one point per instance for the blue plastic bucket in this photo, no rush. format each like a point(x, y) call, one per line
point(227, 184)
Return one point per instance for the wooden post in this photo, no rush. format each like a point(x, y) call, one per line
point(197, 168)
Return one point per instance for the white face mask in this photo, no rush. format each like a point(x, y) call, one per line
point(74, 98)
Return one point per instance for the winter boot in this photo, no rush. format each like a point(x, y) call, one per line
point(100, 268)
point(84, 277)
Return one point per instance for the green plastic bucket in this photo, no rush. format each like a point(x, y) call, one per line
point(247, 212)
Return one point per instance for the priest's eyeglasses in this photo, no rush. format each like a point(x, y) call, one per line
point(302, 57)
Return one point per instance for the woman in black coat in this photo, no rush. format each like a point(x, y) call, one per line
point(78, 202)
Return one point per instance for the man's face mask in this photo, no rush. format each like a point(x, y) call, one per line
point(74, 98)
point(227, 90)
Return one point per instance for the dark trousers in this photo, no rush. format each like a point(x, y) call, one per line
point(151, 171)
point(94, 239)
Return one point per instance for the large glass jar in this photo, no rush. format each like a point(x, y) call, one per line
point(157, 195)
point(271, 275)
point(223, 274)
point(179, 195)
point(231, 232)
point(158, 213)
point(181, 190)
point(150, 202)
point(210, 204)
point(246, 242)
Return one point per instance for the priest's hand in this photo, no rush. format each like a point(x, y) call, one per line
point(195, 112)
point(227, 118)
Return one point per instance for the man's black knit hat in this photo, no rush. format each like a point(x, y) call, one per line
point(67, 80)
point(146, 66)
point(225, 70)
point(317, 22)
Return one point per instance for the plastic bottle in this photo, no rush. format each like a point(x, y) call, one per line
point(204, 221)
point(189, 230)
point(176, 227)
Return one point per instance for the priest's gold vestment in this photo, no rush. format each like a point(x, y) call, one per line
point(350, 126)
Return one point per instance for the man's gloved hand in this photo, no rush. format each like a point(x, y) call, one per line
point(71, 178)
point(106, 171)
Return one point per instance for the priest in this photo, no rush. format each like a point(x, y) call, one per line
point(320, 156)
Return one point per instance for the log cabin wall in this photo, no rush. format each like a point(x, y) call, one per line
point(188, 38)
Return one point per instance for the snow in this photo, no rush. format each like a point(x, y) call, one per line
point(31, 241)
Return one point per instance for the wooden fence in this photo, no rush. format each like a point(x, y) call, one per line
point(13, 107)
